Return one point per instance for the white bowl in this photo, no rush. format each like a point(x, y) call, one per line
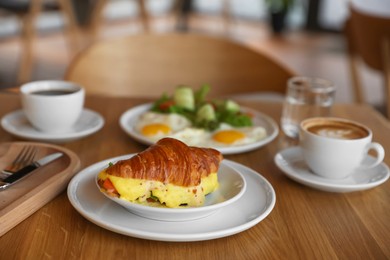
point(231, 187)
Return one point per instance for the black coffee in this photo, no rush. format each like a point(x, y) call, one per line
point(53, 92)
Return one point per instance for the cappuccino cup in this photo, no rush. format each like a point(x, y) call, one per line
point(334, 147)
point(52, 106)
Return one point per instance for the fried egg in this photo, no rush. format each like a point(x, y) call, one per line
point(225, 136)
point(193, 137)
point(156, 125)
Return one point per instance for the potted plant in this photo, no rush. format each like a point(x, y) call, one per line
point(278, 10)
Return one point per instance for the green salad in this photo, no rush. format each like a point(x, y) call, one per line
point(203, 113)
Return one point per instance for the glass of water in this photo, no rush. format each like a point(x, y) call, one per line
point(305, 97)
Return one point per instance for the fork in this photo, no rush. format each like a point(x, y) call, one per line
point(25, 157)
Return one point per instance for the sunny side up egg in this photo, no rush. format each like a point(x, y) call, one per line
point(225, 136)
point(156, 125)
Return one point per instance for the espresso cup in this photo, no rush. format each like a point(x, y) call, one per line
point(52, 106)
point(334, 148)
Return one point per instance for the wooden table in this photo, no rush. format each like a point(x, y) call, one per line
point(304, 224)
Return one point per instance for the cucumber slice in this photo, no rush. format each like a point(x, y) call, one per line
point(206, 113)
point(232, 106)
point(184, 97)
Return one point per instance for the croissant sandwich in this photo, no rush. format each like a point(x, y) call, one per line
point(168, 173)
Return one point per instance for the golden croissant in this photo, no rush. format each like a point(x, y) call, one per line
point(168, 173)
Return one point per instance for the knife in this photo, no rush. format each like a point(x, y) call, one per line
point(20, 174)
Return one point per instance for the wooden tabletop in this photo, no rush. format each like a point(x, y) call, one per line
point(304, 224)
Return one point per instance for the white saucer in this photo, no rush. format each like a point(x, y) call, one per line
point(17, 124)
point(290, 161)
point(252, 207)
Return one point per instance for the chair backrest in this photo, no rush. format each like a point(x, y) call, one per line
point(369, 35)
point(147, 65)
point(368, 38)
point(28, 12)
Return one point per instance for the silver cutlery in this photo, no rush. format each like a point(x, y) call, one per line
point(26, 170)
point(24, 157)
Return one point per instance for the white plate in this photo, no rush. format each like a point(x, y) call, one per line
point(290, 161)
point(129, 118)
point(255, 204)
point(17, 124)
point(231, 187)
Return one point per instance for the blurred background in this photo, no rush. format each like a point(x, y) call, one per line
point(310, 39)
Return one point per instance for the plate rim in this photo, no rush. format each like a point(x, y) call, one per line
point(326, 186)
point(134, 111)
point(5, 123)
point(270, 201)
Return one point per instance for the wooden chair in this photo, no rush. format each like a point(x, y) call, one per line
point(149, 64)
point(184, 8)
point(97, 16)
point(368, 39)
point(28, 12)
point(181, 8)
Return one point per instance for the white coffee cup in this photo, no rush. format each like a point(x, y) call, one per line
point(52, 106)
point(334, 148)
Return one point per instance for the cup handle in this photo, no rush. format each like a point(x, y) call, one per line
point(380, 155)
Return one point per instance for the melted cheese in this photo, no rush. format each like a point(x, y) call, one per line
point(173, 196)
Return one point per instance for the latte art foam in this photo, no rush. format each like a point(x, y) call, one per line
point(336, 129)
point(332, 133)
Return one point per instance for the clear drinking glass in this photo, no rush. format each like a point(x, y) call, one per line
point(305, 97)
